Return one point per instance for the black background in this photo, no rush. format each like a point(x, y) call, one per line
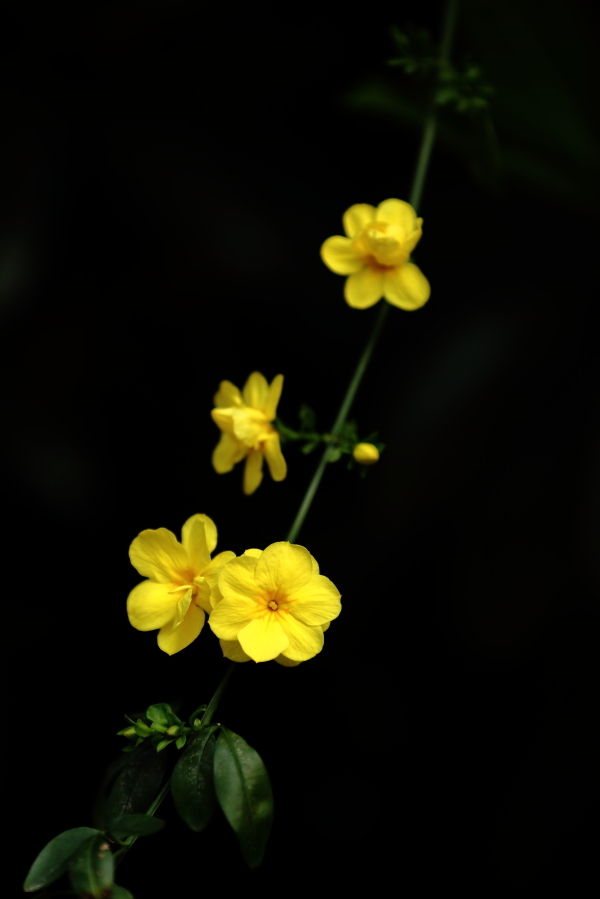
point(170, 173)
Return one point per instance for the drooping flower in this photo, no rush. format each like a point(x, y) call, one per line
point(176, 595)
point(274, 604)
point(366, 453)
point(375, 255)
point(245, 420)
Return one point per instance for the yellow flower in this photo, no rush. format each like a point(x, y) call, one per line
point(366, 453)
point(375, 254)
point(244, 418)
point(180, 579)
point(274, 604)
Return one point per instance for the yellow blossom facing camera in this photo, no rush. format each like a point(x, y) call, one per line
point(245, 420)
point(274, 604)
point(366, 453)
point(375, 255)
point(176, 596)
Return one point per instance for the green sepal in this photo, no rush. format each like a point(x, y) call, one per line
point(192, 784)
point(162, 745)
point(334, 453)
point(181, 741)
point(309, 447)
point(136, 785)
point(244, 793)
point(136, 825)
point(142, 729)
point(54, 857)
point(91, 868)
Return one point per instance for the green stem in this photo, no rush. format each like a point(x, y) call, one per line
point(416, 191)
point(206, 719)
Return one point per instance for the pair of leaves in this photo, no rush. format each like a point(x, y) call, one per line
point(85, 852)
point(227, 771)
point(134, 789)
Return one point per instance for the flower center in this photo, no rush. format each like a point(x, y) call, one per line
point(273, 605)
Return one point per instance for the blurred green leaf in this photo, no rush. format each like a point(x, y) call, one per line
point(136, 825)
point(53, 859)
point(192, 785)
point(159, 713)
point(308, 419)
point(309, 447)
point(136, 785)
point(244, 793)
point(92, 868)
point(334, 453)
point(120, 893)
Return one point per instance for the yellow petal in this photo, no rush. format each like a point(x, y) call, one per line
point(250, 425)
point(193, 537)
point(305, 642)
point(253, 471)
point(237, 578)
point(397, 212)
point(227, 453)
point(210, 531)
point(202, 597)
point(254, 553)
point(233, 651)
point(339, 255)
point(263, 638)
point(413, 239)
point(315, 565)
point(317, 602)
point(256, 391)
point(283, 568)
point(183, 603)
point(364, 288)
point(224, 419)
point(150, 605)
point(407, 287)
point(212, 573)
point(231, 615)
point(275, 389)
point(174, 641)
point(227, 395)
point(275, 461)
point(287, 663)
point(157, 554)
point(357, 217)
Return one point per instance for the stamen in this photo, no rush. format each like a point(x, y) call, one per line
point(273, 605)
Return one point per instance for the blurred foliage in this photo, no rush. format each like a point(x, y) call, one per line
point(539, 133)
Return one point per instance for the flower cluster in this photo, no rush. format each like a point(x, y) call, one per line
point(262, 605)
point(375, 254)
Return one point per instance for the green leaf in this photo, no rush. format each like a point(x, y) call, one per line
point(159, 712)
point(244, 793)
point(334, 453)
point(136, 825)
point(201, 708)
point(136, 785)
point(120, 893)
point(309, 447)
point(192, 786)
point(162, 745)
point(53, 859)
point(92, 868)
point(180, 741)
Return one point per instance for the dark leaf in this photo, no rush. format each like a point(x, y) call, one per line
point(244, 793)
point(192, 786)
point(53, 859)
point(136, 825)
point(92, 867)
point(120, 893)
point(137, 784)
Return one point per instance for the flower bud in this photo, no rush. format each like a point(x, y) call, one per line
point(173, 731)
point(129, 733)
point(366, 453)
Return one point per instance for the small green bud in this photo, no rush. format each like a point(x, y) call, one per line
point(173, 731)
point(197, 724)
point(129, 732)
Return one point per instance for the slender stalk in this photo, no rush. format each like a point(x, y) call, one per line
point(416, 191)
point(212, 705)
